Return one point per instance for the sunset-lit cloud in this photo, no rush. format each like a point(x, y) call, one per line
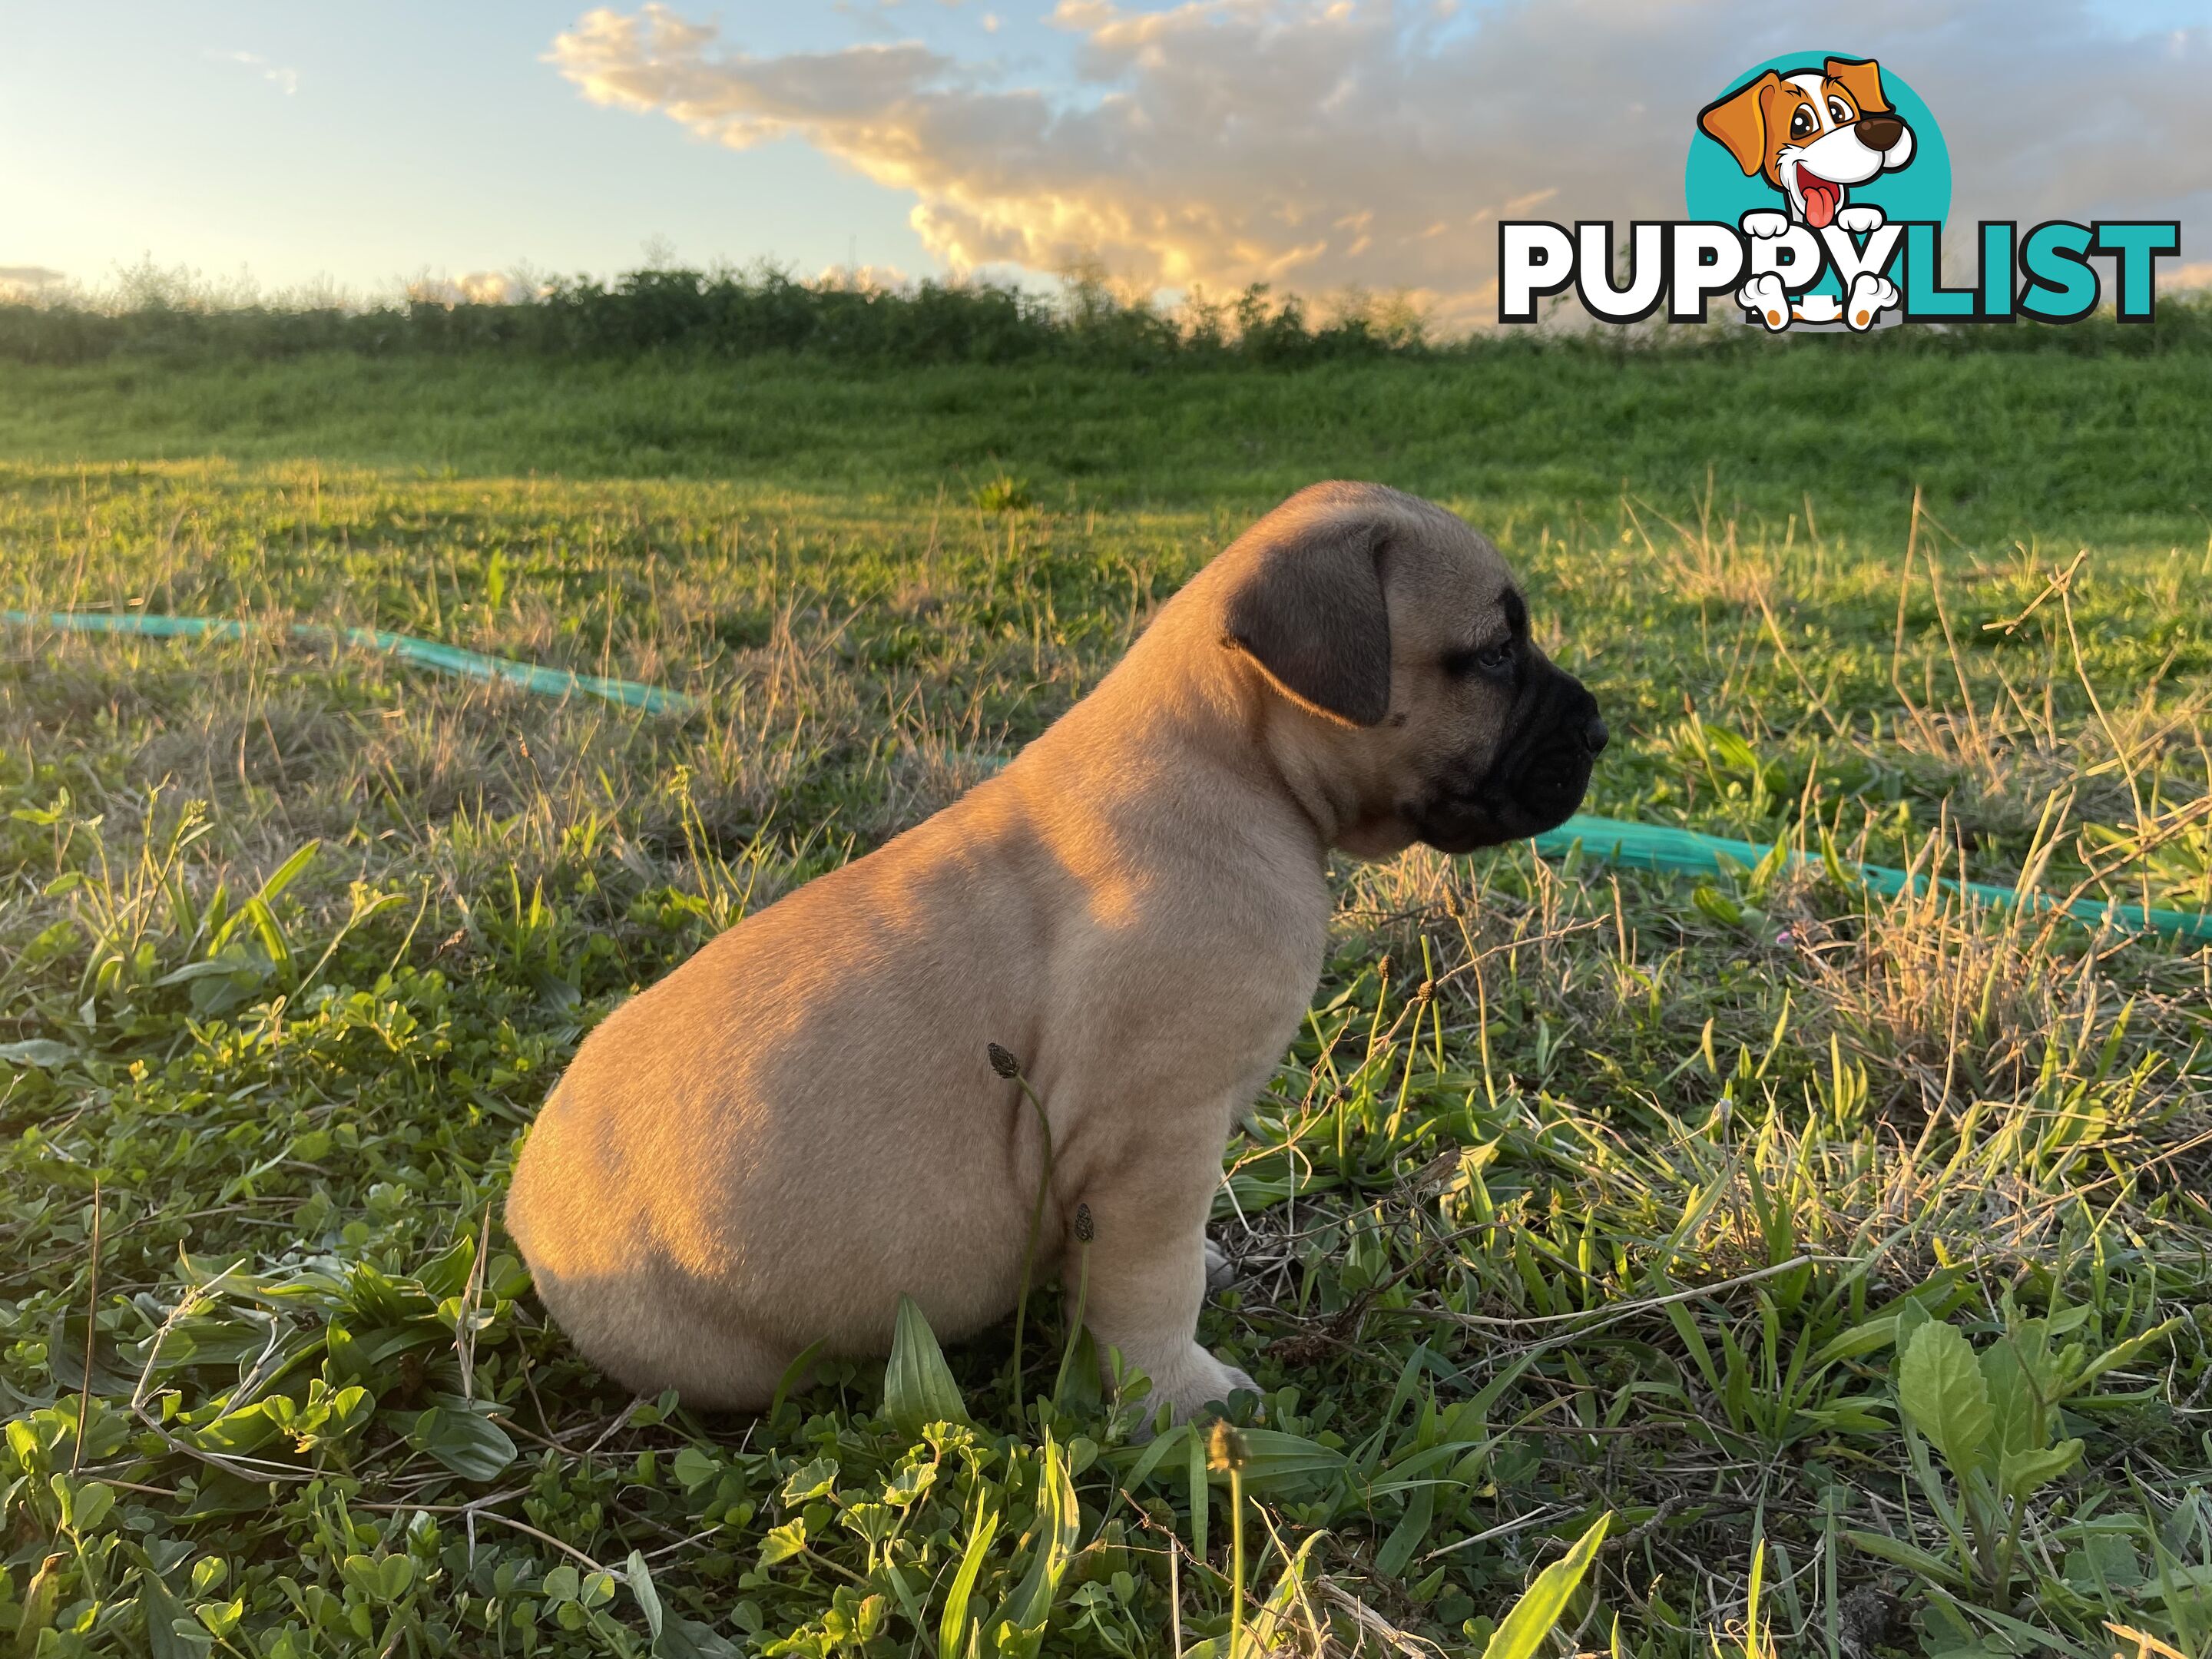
point(1316, 145)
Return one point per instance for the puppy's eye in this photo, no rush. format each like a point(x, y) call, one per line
point(1489, 659)
point(1801, 123)
point(1838, 111)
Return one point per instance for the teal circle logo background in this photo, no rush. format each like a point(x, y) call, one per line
point(1715, 188)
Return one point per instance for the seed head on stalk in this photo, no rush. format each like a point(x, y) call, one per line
point(1003, 1062)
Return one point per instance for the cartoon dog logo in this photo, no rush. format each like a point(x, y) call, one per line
point(1813, 134)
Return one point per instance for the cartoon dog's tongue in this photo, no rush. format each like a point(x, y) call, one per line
point(1821, 199)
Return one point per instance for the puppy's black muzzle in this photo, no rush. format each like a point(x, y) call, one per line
point(1537, 779)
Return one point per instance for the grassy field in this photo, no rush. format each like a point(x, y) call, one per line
point(1850, 1254)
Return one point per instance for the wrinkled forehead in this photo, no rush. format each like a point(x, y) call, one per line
point(1445, 578)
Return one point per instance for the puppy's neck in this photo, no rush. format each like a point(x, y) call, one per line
point(1317, 765)
point(1182, 693)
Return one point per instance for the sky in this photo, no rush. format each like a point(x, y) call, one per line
point(1309, 144)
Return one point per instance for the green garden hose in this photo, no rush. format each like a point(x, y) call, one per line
point(1634, 846)
point(1656, 846)
point(446, 659)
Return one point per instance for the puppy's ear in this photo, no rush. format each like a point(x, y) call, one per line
point(1739, 121)
point(1862, 79)
point(1308, 608)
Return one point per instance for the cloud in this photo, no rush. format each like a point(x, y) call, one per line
point(277, 75)
point(1314, 143)
point(2190, 278)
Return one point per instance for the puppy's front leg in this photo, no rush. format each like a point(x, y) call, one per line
point(1147, 1275)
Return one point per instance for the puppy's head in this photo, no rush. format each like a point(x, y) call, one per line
point(1418, 705)
point(1812, 133)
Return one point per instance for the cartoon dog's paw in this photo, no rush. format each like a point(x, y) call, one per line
point(1871, 296)
point(1766, 296)
point(1861, 220)
point(1761, 222)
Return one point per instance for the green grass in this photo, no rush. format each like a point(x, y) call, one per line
point(2004, 444)
point(1689, 1203)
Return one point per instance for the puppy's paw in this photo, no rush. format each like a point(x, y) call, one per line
point(1220, 1272)
point(1198, 1385)
point(1862, 219)
point(1870, 295)
point(1765, 295)
point(1765, 222)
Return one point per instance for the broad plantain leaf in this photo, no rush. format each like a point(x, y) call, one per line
point(1275, 1462)
point(470, 1444)
point(918, 1385)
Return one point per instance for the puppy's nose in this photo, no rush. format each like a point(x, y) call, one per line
point(1595, 737)
point(1881, 131)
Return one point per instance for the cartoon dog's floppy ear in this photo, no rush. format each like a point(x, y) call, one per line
point(1862, 78)
point(1739, 121)
point(1308, 608)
